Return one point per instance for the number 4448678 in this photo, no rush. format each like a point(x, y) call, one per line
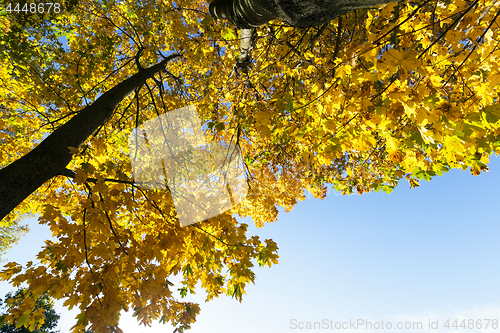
point(34, 8)
point(473, 324)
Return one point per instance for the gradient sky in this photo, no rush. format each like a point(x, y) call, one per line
point(415, 255)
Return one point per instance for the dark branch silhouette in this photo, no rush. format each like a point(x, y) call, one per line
point(50, 158)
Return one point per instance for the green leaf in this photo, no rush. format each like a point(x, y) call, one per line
point(184, 291)
point(387, 189)
point(80, 317)
point(430, 101)
point(219, 127)
point(492, 113)
point(228, 33)
point(188, 270)
point(23, 320)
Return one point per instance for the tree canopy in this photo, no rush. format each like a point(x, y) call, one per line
point(406, 90)
point(10, 234)
point(43, 310)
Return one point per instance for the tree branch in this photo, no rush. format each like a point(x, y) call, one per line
point(24, 176)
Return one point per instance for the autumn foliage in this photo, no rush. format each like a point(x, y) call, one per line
point(404, 91)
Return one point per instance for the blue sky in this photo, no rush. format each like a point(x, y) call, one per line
point(429, 253)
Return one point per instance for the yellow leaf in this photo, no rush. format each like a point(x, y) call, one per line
point(391, 144)
point(344, 70)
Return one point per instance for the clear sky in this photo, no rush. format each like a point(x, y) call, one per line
point(415, 255)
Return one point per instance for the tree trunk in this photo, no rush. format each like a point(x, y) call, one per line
point(246, 14)
point(25, 175)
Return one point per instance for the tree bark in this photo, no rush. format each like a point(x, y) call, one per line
point(25, 175)
point(245, 14)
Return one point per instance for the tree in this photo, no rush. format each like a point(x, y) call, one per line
point(41, 308)
point(298, 13)
point(10, 234)
point(405, 90)
point(49, 158)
